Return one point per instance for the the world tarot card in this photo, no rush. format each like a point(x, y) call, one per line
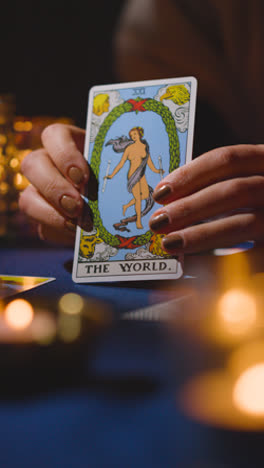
point(136, 134)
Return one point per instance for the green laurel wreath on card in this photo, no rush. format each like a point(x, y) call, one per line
point(138, 105)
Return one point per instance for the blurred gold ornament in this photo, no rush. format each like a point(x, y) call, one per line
point(2, 172)
point(14, 164)
point(3, 139)
point(20, 181)
point(4, 188)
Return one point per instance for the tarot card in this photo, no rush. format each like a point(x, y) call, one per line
point(136, 134)
point(10, 285)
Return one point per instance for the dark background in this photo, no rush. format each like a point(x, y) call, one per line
point(52, 52)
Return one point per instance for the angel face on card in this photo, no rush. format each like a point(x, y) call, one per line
point(136, 134)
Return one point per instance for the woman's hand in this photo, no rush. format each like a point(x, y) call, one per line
point(216, 200)
point(58, 173)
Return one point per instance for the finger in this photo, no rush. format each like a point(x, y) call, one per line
point(220, 233)
point(65, 146)
point(39, 210)
point(53, 235)
point(36, 207)
point(40, 171)
point(210, 168)
point(215, 200)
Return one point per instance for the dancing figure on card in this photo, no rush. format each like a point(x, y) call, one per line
point(135, 150)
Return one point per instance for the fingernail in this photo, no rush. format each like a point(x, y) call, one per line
point(92, 187)
point(87, 225)
point(159, 222)
point(173, 242)
point(162, 193)
point(76, 175)
point(86, 222)
point(69, 204)
point(70, 225)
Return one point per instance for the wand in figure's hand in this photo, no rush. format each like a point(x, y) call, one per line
point(106, 176)
point(161, 171)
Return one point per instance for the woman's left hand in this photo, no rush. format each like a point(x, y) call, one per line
point(216, 200)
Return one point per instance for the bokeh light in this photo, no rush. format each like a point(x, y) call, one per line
point(23, 126)
point(19, 314)
point(248, 393)
point(215, 398)
point(15, 164)
point(4, 188)
point(3, 139)
point(69, 327)
point(237, 310)
point(44, 327)
point(2, 172)
point(71, 304)
point(246, 356)
point(20, 181)
point(234, 271)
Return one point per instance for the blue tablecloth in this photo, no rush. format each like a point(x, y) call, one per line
point(120, 411)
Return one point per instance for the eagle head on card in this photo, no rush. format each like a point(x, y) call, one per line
point(119, 144)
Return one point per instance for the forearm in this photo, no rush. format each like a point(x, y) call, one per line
point(152, 167)
point(116, 170)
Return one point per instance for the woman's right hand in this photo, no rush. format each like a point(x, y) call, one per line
point(216, 200)
point(58, 173)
